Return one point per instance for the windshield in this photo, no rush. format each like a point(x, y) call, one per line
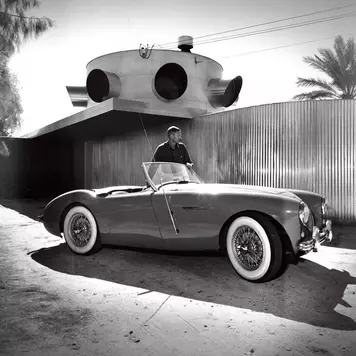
point(166, 172)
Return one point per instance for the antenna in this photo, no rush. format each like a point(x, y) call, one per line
point(164, 193)
point(145, 52)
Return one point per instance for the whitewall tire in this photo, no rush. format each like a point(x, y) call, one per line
point(81, 231)
point(254, 248)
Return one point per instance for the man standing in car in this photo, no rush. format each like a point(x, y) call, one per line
point(173, 150)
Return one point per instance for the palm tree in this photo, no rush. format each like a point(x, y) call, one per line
point(339, 65)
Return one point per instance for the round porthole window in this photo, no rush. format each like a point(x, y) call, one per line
point(171, 81)
point(97, 85)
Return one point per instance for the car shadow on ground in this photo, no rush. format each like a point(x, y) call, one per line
point(306, 292)
point(344, 236)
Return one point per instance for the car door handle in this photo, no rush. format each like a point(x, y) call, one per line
point(196, 207)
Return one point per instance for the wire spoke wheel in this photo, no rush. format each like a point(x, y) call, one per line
point(254, 248)
point(248, 248)
point(80, 231)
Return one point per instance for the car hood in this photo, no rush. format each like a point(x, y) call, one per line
point(241, 189)
point(215, 188)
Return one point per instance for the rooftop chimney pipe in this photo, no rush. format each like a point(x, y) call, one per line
point(185, 43)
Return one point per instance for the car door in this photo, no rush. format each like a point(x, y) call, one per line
point(193, 216)
point(131, 220)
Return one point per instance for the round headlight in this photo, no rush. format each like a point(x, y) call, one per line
point(304, 213)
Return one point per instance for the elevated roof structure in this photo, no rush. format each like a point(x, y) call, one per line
point(160, 85)
point(111, 117)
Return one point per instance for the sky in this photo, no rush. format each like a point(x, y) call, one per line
point(85, 29)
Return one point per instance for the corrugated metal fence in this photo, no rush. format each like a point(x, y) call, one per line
point(305, 145)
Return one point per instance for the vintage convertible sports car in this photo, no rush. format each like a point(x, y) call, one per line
point(176, 210)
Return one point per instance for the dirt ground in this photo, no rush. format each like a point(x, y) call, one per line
point(127, 302)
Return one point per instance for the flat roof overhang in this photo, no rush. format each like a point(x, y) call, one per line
point(109, 118)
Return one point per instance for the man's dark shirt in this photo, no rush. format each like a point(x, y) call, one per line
point(164, 153)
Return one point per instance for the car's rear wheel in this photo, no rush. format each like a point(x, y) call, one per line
point(81, 231)
point(254, 248)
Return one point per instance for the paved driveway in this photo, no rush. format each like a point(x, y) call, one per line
point(124, 302)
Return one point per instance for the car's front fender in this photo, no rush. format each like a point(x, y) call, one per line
point(314, 202)
point(52, 213)
point(283, 209)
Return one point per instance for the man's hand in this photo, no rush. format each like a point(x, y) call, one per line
point(189, 165)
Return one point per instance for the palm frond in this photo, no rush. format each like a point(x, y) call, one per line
point(314, 95)
point(316, 63)
point(339, 48)
point(350, 51)
point(334, 69)
point(339, 64)
point(315, 82)
point(347, 96)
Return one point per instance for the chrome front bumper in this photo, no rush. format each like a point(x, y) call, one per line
point(318, 237)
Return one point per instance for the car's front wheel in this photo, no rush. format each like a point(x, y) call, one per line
point(81, 231)
point(254, 248)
